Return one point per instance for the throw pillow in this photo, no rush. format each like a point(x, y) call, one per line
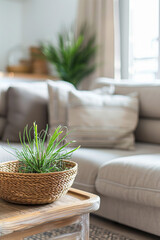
point(25, 105)
point(102, 120)
point(58, 99)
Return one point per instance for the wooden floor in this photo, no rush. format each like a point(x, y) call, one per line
point(121, 229)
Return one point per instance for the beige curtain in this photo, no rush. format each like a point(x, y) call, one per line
point(102, 16)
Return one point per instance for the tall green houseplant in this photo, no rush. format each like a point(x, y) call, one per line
point(72, 56)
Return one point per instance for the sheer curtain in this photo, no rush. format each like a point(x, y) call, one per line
point(102, 17)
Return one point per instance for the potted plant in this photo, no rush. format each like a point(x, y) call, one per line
point(42, 172)
point(73, 55)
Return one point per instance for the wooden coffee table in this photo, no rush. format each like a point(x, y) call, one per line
point(20, 221)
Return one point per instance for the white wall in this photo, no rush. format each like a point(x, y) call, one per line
point(42, 19)
point(10, 28)
point(31, 21)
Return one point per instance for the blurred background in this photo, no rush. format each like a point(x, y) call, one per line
point(26, 23)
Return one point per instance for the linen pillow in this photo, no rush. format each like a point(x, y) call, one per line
point(102, 120)
point(25, 105)
point(58, 99)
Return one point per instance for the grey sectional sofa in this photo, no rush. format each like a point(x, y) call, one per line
point(128, 182)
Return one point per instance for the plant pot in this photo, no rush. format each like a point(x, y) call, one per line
point(34, 188)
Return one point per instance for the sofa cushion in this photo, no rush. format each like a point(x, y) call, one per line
point(133, 178)
point(57, 106)
point(3, 98)
point(90, 160)
point(148, 130)
point(149, 101)
point(149, 94)
point(97, 120)
point(58, 101)
point(4, 85)
point(2, 125)
point(24, 107)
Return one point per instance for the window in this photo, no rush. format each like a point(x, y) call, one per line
point(144, 60)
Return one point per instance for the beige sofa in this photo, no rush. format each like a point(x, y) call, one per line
point(128, 182)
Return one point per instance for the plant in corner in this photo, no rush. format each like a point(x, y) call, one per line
point(42, 172)
point(72, 56)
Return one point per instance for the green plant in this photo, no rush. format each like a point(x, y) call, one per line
point(36, 156)
point(72, 56)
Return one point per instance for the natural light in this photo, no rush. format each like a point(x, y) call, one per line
point(144, 40)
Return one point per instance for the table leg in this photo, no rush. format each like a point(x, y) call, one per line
point(85, 227)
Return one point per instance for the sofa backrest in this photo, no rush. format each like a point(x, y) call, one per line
point(148, 129)
point(36, 87)
point(3, 105)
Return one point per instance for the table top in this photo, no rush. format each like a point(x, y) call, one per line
point(14, 217)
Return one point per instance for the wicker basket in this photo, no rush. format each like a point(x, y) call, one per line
point(34, 188)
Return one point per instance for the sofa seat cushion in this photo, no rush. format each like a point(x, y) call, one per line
point(134, 178)
point(90, 160)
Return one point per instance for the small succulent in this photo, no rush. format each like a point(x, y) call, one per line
point(40, 156)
